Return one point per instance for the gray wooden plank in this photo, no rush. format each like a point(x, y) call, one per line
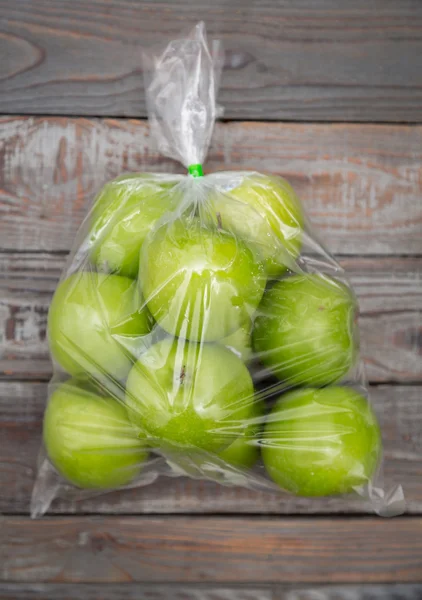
point(206, 591)
point(389, 291)
point(211, 549)
point(302, 60)
point(21, 409)
point(360, 184)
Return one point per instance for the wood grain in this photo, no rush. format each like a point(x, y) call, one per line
point(180, 549)
point(361, 184)
point(206, 591)
point(21, 409)
point(303, 60)
point(317, 60)
point(389, 291)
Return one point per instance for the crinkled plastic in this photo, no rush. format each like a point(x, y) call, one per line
point(201, 329)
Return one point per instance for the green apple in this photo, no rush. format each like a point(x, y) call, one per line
point(124, 212)
point(271, 217)
point(90, 317)
point(305, 330)
point(191, 395)
point(244, 451)
point(199, 283)
point(240, 341)
point(90, 439)
point(320, 442)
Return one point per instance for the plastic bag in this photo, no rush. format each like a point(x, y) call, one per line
point(201, 329)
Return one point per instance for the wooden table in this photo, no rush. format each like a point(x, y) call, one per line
point(325, 92)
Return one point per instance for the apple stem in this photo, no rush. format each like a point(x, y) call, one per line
point(219, 221)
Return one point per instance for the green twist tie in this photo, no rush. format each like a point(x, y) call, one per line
point(196, 170)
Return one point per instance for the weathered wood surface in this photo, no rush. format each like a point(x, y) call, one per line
point(389, 291)
point(211, 549)
point(320, 60)
point(206, 591)
point(303, 60)
point(21, 410)
point(361, 184)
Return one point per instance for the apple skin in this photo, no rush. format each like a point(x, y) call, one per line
point(190, 395)
point(244, 451)
point(124, 212)
point(305, 330)
point(240, 341)
point(272, 220)
point(321, 442)
point(88, 315)
point(199, 283)
point(90, 439)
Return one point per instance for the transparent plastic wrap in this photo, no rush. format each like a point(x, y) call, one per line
point(200, 328)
